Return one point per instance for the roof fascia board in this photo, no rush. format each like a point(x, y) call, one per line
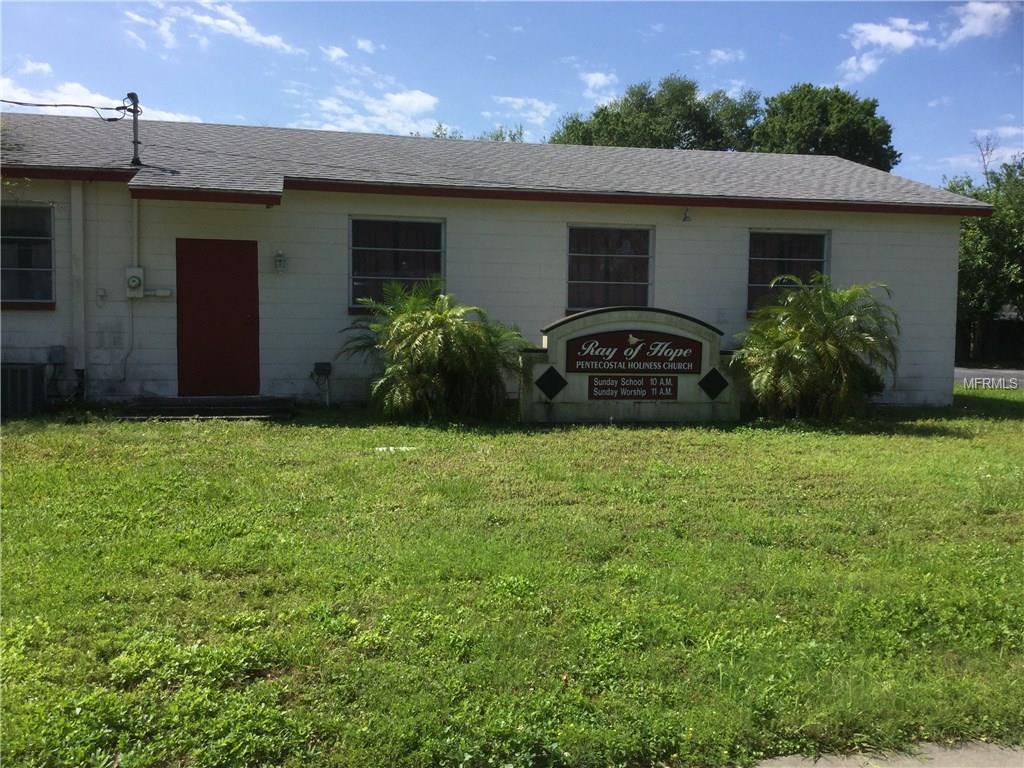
point(66, 174)
point(204, 195)
point(483, 193)
point(318, 185)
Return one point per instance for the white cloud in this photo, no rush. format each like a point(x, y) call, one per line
point(394, 112)
point(490, 57)
point(527, 108)
point(516, 28)
point(335, 106)
point(1001, 132)
point(364, 100)
point(412, 102)
point(367, 46)
point(725, 55)
point(978, 19)
point(205, 15)
point(334, 53)
point(735, 89)
point(941, 101)
point(359, 75)
point(600, 86)
point(872, 40)
point(971, 162)
point(76, 93)
point(857, 68)
point(135, 38)
point(225, 20)
point(1008, 143)
point(896, 35)
point(657, 29)
point(164, 27)
point(30, 67)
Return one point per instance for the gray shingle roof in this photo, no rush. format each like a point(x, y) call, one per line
point(247, 159)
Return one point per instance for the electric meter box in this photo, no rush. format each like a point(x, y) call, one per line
point(134, 282)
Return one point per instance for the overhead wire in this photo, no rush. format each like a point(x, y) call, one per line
point(124, 109)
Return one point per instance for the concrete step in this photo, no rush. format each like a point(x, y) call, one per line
point(209, 408)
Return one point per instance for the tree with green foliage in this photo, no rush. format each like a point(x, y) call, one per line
point(819, 351)
point(441, 360)
point(442, 131)
point(991, 250)
point(814, 120)
point(672, 116)
point(511, 134)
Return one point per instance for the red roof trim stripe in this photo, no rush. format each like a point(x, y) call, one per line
point(316, 185)
point(67, 174)
point(205, 196)
point(29, 306)
point(481, 193)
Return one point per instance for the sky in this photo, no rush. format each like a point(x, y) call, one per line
point(944, 74)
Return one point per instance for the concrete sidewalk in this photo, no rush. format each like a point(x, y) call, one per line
point(974, 755)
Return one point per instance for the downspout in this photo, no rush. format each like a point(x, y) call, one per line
point(131, 302)
point(135, 232)
point(78, 298)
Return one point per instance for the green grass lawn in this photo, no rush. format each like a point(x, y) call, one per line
point(244, 593)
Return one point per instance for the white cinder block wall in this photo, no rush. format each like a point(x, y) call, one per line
point(507, 256)
point(28, 335)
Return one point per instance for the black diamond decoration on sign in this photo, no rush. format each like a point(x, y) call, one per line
point(551, 383)
point(713, 383)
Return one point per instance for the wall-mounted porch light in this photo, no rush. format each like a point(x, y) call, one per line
point(280, 262)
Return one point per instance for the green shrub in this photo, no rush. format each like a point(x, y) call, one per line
point(441, 359)
point(818, 350)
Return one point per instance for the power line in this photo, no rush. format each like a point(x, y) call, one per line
point(124, 109)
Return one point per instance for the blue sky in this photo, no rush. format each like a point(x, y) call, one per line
point(942, 73)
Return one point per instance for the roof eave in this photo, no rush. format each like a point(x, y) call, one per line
point(66, 173)
point(204, 195)
point(629, 198)
point(263, 197)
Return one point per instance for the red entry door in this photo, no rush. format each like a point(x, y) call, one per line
point(218, 317)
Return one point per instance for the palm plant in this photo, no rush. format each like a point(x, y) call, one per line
point(818, 350)
point(441, 359)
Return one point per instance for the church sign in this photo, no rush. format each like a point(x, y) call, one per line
point(628, 364)
point(633, 351)
point(632, 387)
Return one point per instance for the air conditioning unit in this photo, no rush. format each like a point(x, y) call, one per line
point(22, 389)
